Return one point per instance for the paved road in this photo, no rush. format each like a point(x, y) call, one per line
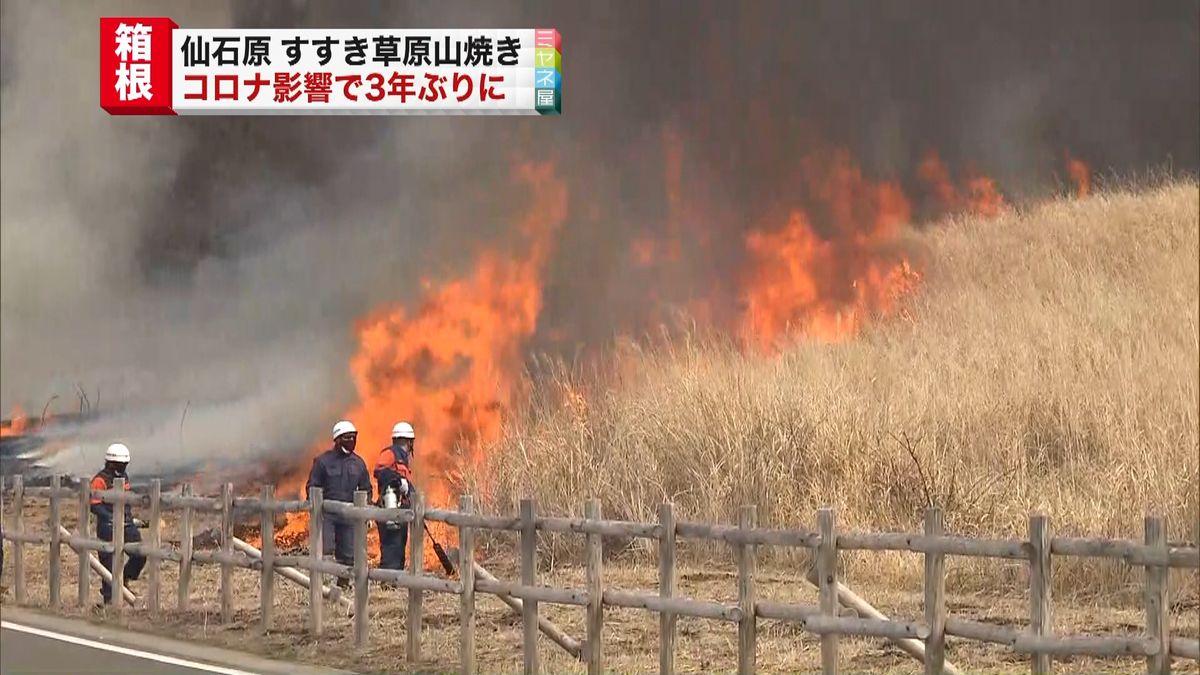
point(34, 643)
point(23, 652)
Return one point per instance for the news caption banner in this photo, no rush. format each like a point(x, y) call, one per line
point(150, 66)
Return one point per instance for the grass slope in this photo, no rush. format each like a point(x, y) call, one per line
point(1048, 363)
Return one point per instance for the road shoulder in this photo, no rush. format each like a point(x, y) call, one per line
point(159, 645)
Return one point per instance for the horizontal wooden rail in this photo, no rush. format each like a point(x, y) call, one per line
point(404, 579)
point(350, 511)
point(1185, 648)
point(190, 502)
point(148, 550)
point(605, 528)
point(51, 493)
point(1176, 557)
point(322, 566)
point(1131, 552)
point(556, 596)
point(811, 618)
point(114, 496)
point(864, 627)
point(981, 631)
point(26, 537)
point(224, 558)
point(1084, 646)
point(918, 543)
point(1058, 645)
point(755, 537)
point(78, 542)
point(258, 505)
point(502, 523)
point(677, 606)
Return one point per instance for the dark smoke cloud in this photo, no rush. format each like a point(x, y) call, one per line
point(222, 261)
point(751, 87)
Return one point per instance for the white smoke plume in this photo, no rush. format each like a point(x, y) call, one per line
point(200, 277)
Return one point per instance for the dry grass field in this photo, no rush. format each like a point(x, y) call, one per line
point(1048, 363)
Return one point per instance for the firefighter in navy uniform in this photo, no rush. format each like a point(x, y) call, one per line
point(339, 473)
point(116, 464)
point(394, 476)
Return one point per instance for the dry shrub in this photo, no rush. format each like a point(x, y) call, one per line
point(1049, 363)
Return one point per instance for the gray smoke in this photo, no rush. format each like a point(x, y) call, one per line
point(212, 265)
point(220, 263)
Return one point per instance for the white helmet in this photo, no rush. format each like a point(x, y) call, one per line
point(117, 452)
point(403, 430)
point(344, 427)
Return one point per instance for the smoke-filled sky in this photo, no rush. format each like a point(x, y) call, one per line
point(220, 263)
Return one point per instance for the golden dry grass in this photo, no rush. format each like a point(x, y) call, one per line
point(1048, 363)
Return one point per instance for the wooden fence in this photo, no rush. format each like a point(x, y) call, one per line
point(925, 640)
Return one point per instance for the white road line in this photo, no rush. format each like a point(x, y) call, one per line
point(149, 656)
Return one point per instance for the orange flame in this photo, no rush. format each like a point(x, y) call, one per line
point(824, 286)
point(1081, 176)
point(452, 366)
point(294, 533)
point(981, 195)
point(16, 424)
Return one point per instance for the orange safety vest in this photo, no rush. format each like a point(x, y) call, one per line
point(101, 482)
point(387, 461)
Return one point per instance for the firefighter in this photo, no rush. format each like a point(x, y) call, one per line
point(393, 473)
point(339, 473)
point(116, 465)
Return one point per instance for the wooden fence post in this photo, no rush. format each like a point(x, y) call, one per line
point(935, 597)
point(226, 548)
point(1158, 620)
point(361, 582)
point(595, 589)
point(1039, 587)
point(266, 583)
point(316, 547)
point(529, 613)
point(54, 521)
point(827, 586)
point(18, 546)
point(666, 588)
point(154, 582)
point(466, 575)
point(81, 529)
point(416, 567)
point(118, 542)
point(185, 552)
point(748, 626)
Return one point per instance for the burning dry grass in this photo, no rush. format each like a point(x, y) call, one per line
point(1049, 363)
